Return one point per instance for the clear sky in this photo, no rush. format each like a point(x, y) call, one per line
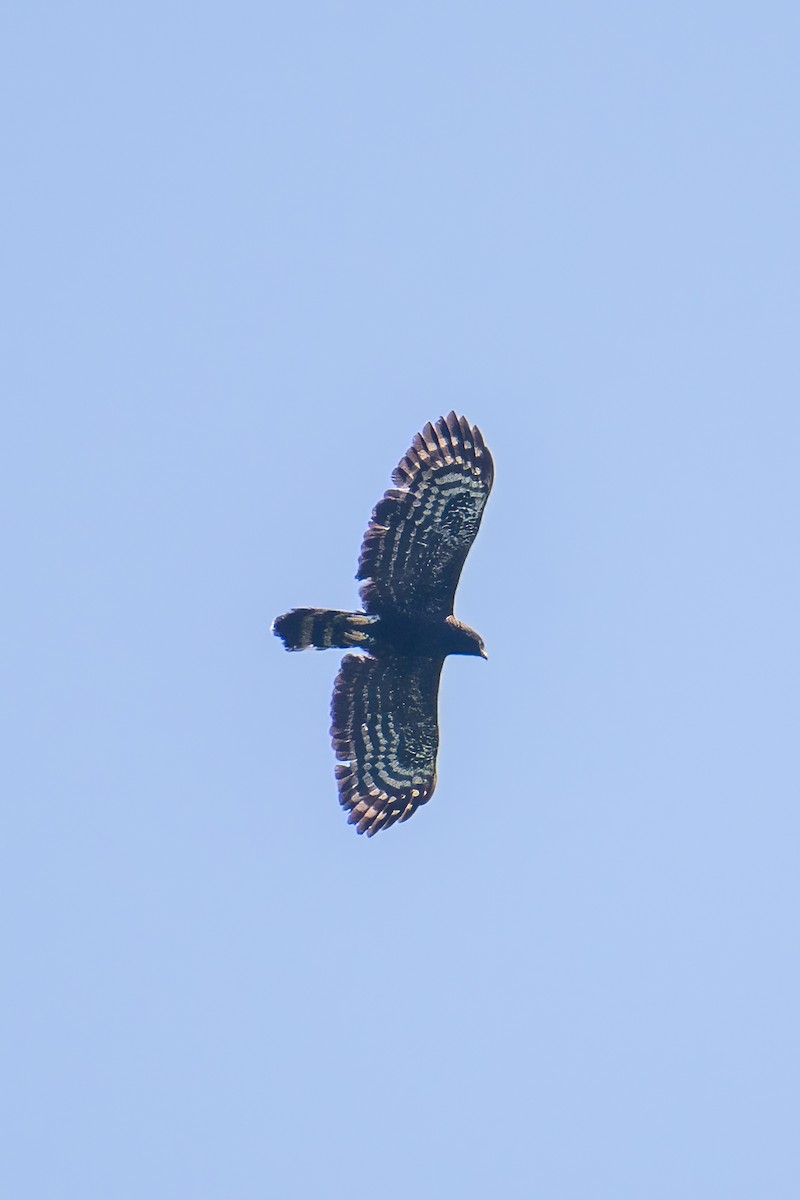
point(247, 251)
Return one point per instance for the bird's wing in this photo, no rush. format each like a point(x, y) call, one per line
point(385, 734)
point(420, 532)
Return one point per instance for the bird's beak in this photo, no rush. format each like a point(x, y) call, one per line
point(484, 654)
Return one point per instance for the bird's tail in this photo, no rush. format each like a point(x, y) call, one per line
point(322, 628)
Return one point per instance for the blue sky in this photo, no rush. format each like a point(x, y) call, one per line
point(248, 250)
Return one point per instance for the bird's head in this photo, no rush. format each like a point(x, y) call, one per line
point(466, 640)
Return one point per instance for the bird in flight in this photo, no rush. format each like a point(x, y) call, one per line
point(385, 729)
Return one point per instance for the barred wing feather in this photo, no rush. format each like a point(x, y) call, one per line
point(422, 529)
point(385, 734)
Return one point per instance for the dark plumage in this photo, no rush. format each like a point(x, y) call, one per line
point(384, 712)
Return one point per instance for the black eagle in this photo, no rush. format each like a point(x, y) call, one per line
point(384, 712)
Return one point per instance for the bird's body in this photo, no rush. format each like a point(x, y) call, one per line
point(395, 632)
point(384, 710)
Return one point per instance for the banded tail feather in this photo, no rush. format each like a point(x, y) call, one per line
point(323, 628)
